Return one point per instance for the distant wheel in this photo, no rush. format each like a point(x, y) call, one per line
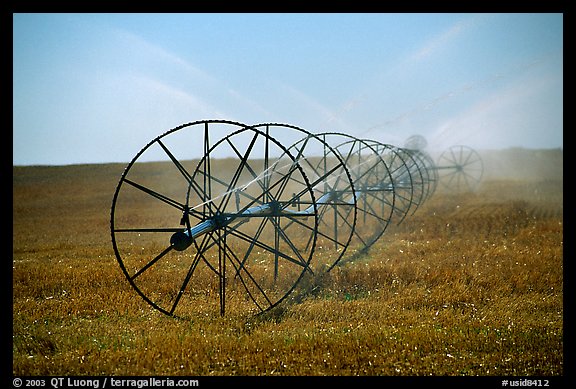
point(416, 143)
point(460, 169)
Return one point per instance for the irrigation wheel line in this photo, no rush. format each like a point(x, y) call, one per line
point(219, 215)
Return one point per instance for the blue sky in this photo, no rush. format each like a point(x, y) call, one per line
point(96, 88)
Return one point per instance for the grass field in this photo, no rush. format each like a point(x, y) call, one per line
point(470, 285)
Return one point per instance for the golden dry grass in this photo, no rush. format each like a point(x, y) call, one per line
point(471, 284)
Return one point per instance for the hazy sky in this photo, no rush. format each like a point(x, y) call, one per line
point(93, 88)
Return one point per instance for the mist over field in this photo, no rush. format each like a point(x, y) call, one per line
point(523, 164)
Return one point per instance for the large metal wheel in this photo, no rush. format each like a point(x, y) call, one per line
point(194, 235)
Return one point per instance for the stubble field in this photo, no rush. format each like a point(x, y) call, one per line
point(470, 285)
